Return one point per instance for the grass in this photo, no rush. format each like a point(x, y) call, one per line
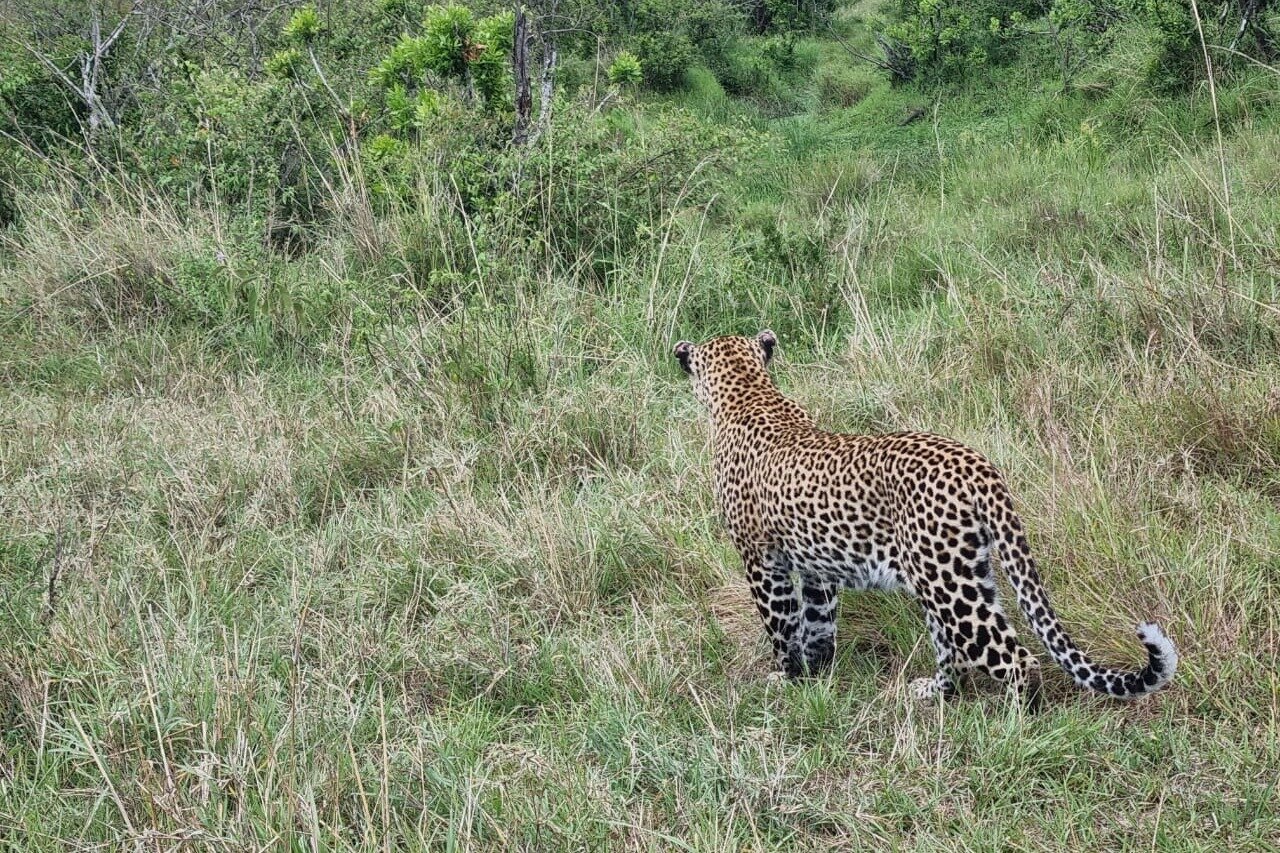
point(287, 561)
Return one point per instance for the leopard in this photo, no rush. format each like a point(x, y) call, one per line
point(813, 513)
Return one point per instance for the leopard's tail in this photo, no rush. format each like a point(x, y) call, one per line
point(1015, 557)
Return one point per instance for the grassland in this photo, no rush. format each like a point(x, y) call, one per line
point(344, 570)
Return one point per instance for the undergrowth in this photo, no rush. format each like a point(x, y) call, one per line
point(402, 534)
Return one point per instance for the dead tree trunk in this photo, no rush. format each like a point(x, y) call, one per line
point(520, 62)
point(547, 87)
point(92, 66)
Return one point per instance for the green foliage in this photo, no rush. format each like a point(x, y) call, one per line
point(665, 57)
point(614, 184)
point(1177, 58)
point(216, 129)
point(669, 36)
point(772, 71)
point(712, 27)
point(950, 38)
point(401, 11)
point(304, 26)
point(490, 57)
point(790, 15)
point(840, 85)
point(414, 111)
point(1080, 31)
point(625, 70)
point(448, 44)
point(404, 65)
point(33, 104)
point(453, 47)
point(286, 64)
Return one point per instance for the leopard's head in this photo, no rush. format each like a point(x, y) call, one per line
point(724, 369)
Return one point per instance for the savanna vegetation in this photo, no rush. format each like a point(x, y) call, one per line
point(350, 498)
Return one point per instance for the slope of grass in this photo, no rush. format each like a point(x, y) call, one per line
point(283, 567)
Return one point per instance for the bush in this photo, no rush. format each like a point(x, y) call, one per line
point(771, 71)
point(1177, 58)
point(664, 57)
point(950, 38)
point(453, 46)
point(447, 40)
point(626, 69)
point(490, 56)
point(215, 129)
point(33, 105)
point(790, 15)
point(304, 27)
point(669, 36)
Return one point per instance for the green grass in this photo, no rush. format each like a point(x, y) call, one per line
point(290, 560)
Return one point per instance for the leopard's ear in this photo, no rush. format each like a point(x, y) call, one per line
point(683, 350)
point(768, 340)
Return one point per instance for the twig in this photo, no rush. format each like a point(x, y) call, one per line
point(857, 54)
point(51, 592)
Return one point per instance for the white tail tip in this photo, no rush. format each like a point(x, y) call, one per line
point(1151, 635)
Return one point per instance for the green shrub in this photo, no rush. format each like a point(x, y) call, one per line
point(448, 39)
point(669, 36)
point(453, 46)
point(404, 65)
point(304, 27)
point(1177, 58)
point(1078, 30)
point(490, 57)
point(664, 57)
point(788, 15)
point(215, 130)
point(626, 69)
point(32, 103)
point(745, 72)
point(285, 64)
point(616, 184)
point(951, 38)
point(772, 72)
point(401, 12)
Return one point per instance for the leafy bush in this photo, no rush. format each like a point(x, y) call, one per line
point(665, 56)
point(285, 64)
point(772, 71)
point(489, 56)
point(215, 129)
point(789, 15)
point(669, 36)
point(1177, 58)
point(448, 40)
point(32, 104)
point(1080, 30)
point(304, 27)
point(453, 46)
point(404, 65)
point(626, 69)
point(950, 38)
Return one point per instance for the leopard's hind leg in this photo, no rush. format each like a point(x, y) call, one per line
point(942, 684)
point(962, 602)
point(818, 623)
